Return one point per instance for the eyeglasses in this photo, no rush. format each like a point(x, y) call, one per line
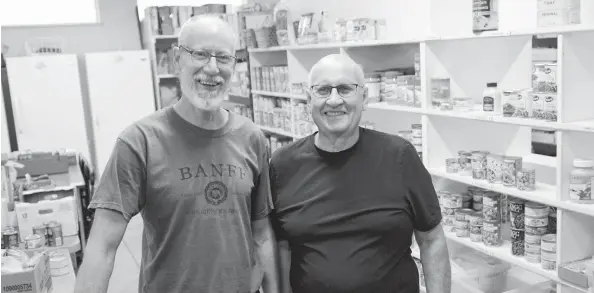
point(344, 90)
point(202, 57)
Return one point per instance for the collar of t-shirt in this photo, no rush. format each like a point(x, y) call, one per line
point(340, 156)
point(183, 123)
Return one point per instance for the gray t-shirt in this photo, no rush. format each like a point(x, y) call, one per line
point(198, 191)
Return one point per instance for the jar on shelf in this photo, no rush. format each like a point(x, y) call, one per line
point(372, 83)
point(479, 165)
point(580, 188)
point(391, 87)
point(494, 162)
point(509, 169)
point(526, 179)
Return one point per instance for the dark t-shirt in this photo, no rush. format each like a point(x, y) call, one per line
point(198, 191)
point(349, 216)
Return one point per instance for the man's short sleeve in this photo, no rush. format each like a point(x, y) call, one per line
point(122, 184)
point(420, 191)
point(261, 200)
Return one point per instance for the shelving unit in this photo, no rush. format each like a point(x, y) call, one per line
point(450, 50)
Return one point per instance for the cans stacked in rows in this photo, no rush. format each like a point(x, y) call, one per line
point(517, 214)
point(498, 169)
point(536, 223)
point(415, 137)
point(548, 252)
point(49, 233)
point(450, 203)
point(492, 219)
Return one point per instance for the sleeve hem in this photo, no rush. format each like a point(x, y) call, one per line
point(431, 225)
point(111, 206)
point(261, 215)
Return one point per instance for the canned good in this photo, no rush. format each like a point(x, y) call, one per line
point(492, 233)
point(449, 212)
point(452, 165)
point(549, 255)
point(466, 201)
point(516, 211)
point(34, 241)
point(533, 257)
point(10, 238)
point(452, 201)
point(479, 165)
point(548, 264)
point(526, 179)
point(536, 230)
point(441, 194)
point(532, 248)
point(54, 234)
point(492, 206)
point(536, 210)
point(532, 238)
point(475, 218)
point(449, 220)
point(553, 222)
point(517, 240)
point(549, 242)
point(476, 233)
point(509, 168)
point(494, 172)
point(41, 230)
point(462, 228)
point(537, 222)
point(463, 214)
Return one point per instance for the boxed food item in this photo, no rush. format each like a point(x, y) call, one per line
point(440, 91)
point(550, 107)
point(544, 78)
point(485, 15)
point(558, 17)
point(517, 103)
point(538, 105)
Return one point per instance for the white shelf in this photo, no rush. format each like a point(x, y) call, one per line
point(554, 30)
point(280, 95)
point(276, 131)
point(504, 253)
point(337, 45)
point(386, 106)
point(166, 76)
point(165, 37)
point(544, 193)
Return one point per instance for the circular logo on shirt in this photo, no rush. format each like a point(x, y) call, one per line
point(215, 192)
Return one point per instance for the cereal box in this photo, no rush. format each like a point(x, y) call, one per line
point(544, 78)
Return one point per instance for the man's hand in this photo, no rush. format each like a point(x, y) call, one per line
point(265, 245)
point(435, 259)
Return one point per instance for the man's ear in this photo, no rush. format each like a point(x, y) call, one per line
point(176, 58)
point(365, 97)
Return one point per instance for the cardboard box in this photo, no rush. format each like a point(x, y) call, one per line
point(35, 280)
point(557, 4)
point(558, 17)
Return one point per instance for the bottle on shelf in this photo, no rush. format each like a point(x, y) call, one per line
point(492, 99)
point(281, 19)
point(580, 189)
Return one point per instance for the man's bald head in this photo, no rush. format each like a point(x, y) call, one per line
point(337, 63)
point(206, 27)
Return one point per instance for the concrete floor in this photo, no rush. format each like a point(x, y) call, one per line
point(124, 278)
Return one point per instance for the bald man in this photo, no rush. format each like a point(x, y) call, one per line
point(198, 175)
point(348, 199)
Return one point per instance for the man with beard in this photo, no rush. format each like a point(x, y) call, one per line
point(198, 175)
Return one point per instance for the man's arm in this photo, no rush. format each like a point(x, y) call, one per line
point(266, 251)
point(284, 264)
point(435, 259)
point(108, 229)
